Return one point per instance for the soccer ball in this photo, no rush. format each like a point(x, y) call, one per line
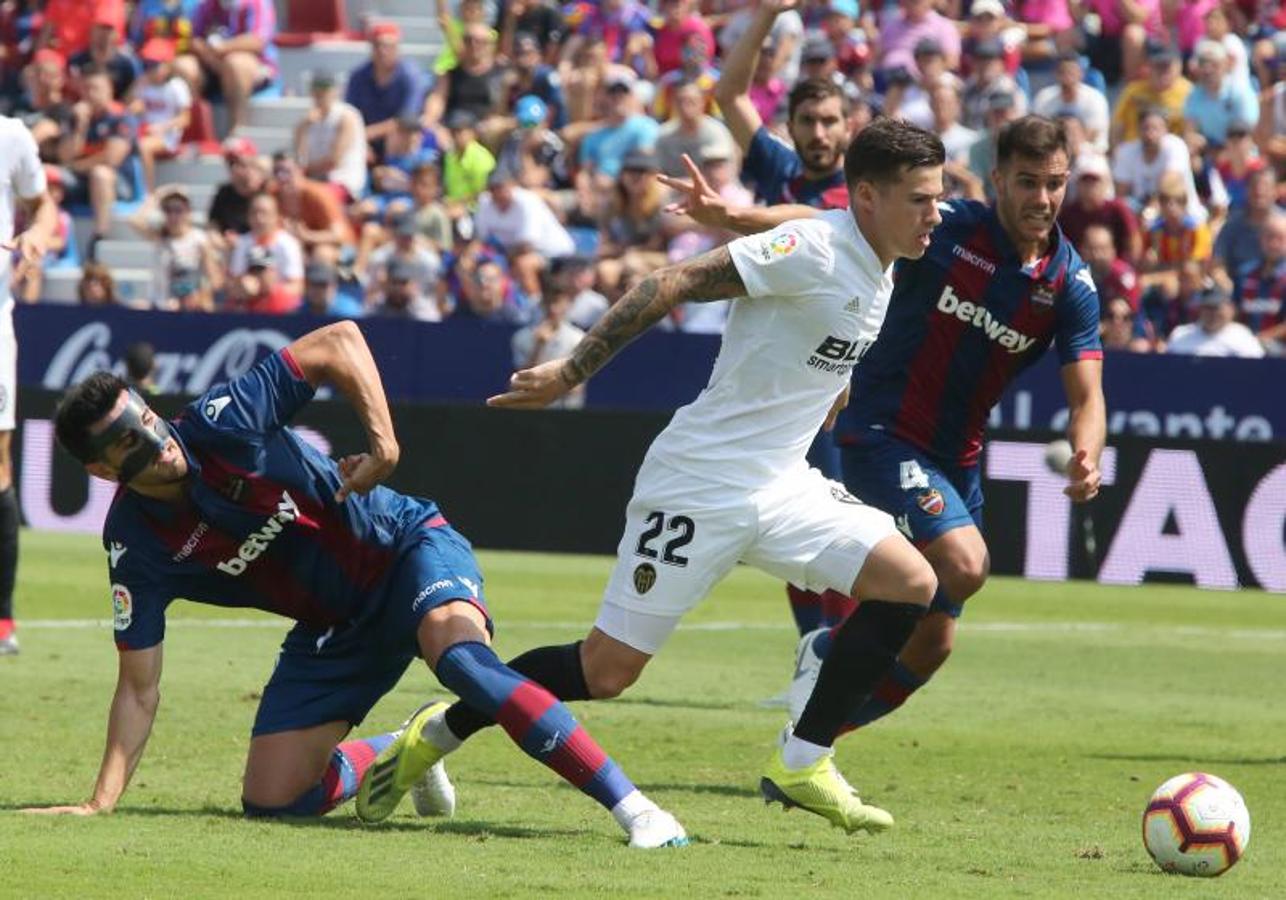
point(1196, 824)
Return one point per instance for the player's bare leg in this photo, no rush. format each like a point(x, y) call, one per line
point(897, 585)
point(8, 546)
point(281, 767)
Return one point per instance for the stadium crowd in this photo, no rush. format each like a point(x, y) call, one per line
point(523, 178)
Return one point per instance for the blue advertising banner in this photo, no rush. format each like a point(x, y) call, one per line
point(465, 361)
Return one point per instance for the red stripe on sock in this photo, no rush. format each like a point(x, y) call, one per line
point(360, 755)
point(891, 692)
point(578, 759)
point(802, 599)
point(525, 705)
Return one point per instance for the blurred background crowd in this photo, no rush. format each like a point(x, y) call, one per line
point(519, 172)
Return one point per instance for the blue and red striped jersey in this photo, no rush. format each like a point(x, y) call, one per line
point(963, 321)
point(778, 175)
point(259, 526)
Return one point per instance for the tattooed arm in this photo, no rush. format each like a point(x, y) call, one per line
point(710, 276)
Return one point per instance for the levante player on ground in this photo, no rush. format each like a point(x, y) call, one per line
point(227, 505)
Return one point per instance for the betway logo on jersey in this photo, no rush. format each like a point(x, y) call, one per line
point(980, 317)
point(259, 541)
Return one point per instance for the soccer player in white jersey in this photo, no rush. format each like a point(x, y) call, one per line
point(727, 482)
point(22, 181)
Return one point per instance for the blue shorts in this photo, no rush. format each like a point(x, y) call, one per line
point(338, 674)
point(926, 498)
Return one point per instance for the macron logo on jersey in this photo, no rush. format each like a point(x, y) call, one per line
point(115, 552)
point(254, 546)
point(215, 407)
point(980, 317)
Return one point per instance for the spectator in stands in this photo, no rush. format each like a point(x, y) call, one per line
point(232, 52)
point(534, 155)
point(779, 61)
point(471, 13)
point(1071, 93)
point(1163, 311)
point(309, 211)
point(522, 224)
point(553, 337)
point(96, 287)
point(915, 21)
point(1139, 164)
point(322, 296)
point(67, 23)
point(169, 20)
point(60, 251)
point(988, 79)
point(588, 305)
point(697, 68)
point(988, 22)
point(680, 20)
point(106, 52)
point(229, 214)
point(690, 132)
point(625, 131)
point(624, 28)
point(1215, 333)
point(96, 153)
point(850, 44)
point(634, 230)
point(431, 216)
point(409, 147)
point(1002, 108)
point(582, 73)
point(542, 19)
point(1217, 99)
point(487, 292)
point(140, 367)
point(260, 287)
point(386, 89)
point(1117, 48)
point(186, 270)
point(530, 76)
point(1238, 240)
point(1174, 236)
point(467, 163)
point(277, 285)
point(1163, 88)
point(1113, 276)
point(330, 142)
point(1271, 134)
point(413, 256)
point(475, 86)
point(1237, 161)
point(163, 105)
point(944, 105)
point(45, 105)
point(1260, 286)
point(915, 106)
point(1122, 328)
point(1092, 203)
point(400, 293)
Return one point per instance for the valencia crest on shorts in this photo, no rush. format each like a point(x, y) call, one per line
point(644, 577)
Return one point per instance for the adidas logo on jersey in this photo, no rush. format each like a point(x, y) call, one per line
point(254, 546)
point(980, 317)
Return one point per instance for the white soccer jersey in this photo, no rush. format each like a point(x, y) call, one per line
point(816, 298)
point(22, 176)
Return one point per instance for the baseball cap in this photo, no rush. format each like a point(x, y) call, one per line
point(239, 148)
point(385, 30)
point(50, 55)
point(404, 225)
point(320, 273)
point(718, 151)
point(640, 161)
point(530, 111)
point(525, 41)
point(461, 118)
point(844, 8)
point(158, 50)
point(260, 258)
point(322, 79)
point(53, 176)
point(1240, 126)
point(816, 49)
point(106, 15)
point(1071, 55)
point(989, 49)
point(1161, 53)
point(1094, 165)
point(1000, 100)
point(1214, 296)
point(898, 75)
point(987, 8)
point(620, 77)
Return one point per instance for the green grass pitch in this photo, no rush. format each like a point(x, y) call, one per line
point(1022, 771)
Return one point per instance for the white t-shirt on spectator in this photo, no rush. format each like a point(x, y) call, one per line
point(22, 177)
point(286, 253)
point(173, 255)
point(163, 102)
point(1141, 176)
point(319, 142)
point(528, 220)
point(1090, 105)
point(564, 341)
point(1234, 339)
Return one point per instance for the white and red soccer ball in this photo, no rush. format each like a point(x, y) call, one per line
point(1196, 824)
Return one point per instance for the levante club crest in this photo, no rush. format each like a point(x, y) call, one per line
point(930, 501)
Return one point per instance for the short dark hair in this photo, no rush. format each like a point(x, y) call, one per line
point(887, 147)
point(811, 89)
point(81, 407)
point(1031, 137)
point(140, 359)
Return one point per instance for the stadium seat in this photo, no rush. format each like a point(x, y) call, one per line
point(313, 20)
point(200, 132)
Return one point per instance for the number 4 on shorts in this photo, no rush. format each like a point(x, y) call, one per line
point(913, 477)
point(684, 527)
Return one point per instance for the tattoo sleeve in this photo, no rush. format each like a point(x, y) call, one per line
point(710, 276)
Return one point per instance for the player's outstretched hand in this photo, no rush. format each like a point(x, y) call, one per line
point(1084, 476)
point(81, 809)
point(361, 472)
point(27, 252)
point(534, 388)
point(700, 201)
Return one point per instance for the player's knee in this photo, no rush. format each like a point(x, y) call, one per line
point(606, 682)
point(921, 583)
point(964, 572)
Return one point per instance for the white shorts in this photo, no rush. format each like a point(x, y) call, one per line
point(8, 370)
point(683, 535)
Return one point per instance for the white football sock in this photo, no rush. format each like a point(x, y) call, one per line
point(800, 754)
point(630, 806)
point(436, 732)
